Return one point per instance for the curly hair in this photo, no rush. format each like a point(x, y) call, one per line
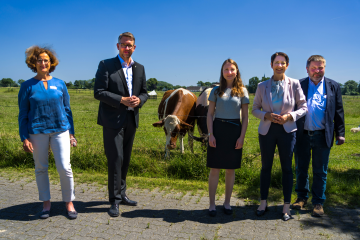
point(237, 88)
point(32, 55)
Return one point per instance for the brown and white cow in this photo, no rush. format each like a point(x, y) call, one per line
point(177, 115)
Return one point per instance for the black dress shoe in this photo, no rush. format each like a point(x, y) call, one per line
point(44, 214)
point(212, 213)
point(286, 217)
point(227, 211)
point(126, 201)
point(114, 210)
point(260, 213)
point(72, 214)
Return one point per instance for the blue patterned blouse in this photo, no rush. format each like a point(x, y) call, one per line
point(44, 110)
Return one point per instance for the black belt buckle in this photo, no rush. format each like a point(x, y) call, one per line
point(310, 133)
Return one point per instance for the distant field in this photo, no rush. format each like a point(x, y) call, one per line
point(148, 152)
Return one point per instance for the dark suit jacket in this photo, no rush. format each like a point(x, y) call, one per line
point(110, 87)
point(334, 113)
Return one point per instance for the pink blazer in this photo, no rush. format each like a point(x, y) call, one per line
point(293, 94)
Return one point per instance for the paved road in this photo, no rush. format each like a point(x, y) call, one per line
point(159, 215)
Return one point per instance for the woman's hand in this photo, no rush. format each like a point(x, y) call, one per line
point(73, 141)
point(27, 145)
point(239, 143)
point(279, 119)
point(283, 119)
point(272, 117)
point(212, 141)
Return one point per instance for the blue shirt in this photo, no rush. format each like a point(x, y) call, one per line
point(44, 111)
point(316, 103)
point(277, 93)
point(127, 69)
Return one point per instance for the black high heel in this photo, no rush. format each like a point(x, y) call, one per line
point(260, 213)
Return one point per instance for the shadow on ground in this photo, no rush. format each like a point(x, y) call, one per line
point(175, 215)
point(30, 211)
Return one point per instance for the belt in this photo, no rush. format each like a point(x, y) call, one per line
point(311, 133)
point(228, 121)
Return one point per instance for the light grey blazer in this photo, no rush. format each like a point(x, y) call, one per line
point(293, 94)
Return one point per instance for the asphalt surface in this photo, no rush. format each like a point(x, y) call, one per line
point(159, 215)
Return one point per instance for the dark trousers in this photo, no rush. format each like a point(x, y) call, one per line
point(312, 143)
point(285, 142)
point(118, 146)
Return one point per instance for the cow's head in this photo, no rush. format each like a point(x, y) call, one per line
point(173, 126)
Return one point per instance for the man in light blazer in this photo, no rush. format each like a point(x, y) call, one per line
point(120, 86)
point(316, 133)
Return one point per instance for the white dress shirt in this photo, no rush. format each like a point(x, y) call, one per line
point(127, 69)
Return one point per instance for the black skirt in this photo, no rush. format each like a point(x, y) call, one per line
point(225, 156)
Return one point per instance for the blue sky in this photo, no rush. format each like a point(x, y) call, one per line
point(183, 42)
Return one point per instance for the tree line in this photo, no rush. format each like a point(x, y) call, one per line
point(154, 84)
point(350, 87)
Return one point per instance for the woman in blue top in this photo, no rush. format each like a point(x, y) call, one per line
point(45, 119)
point(226, 133)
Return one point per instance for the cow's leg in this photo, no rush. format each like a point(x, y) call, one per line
point(167, 152)
point(190, 140)
point(181, 137)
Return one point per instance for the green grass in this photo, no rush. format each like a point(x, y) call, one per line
point(183, 172)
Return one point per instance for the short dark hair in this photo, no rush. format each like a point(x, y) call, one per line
point(32, 55)
point(280, 54)
point(127, 34)
point(315, 58)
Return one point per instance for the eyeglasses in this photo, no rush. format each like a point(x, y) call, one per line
point(280, 63)
point(122, 45)
point(46, 61)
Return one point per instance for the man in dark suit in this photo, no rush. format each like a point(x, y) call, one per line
point(120, 86)
point(315, 133)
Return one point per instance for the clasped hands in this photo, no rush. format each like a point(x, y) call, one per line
point(132, 101)
point(280, 119)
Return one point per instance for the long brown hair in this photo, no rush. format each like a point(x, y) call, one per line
point(237, 88)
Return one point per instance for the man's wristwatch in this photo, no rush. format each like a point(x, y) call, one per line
point(210, 134)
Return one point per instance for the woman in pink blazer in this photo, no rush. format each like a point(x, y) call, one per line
point(274, 104)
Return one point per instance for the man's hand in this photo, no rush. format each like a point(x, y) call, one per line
point(340, 140)
point(28, 147)
point(126, 101)
point(132, 101)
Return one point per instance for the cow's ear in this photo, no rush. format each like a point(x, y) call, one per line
point(185, 125)
point(159, 123)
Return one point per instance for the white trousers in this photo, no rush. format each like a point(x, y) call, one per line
point(60, 146)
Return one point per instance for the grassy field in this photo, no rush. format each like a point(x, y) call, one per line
point(187, 172)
